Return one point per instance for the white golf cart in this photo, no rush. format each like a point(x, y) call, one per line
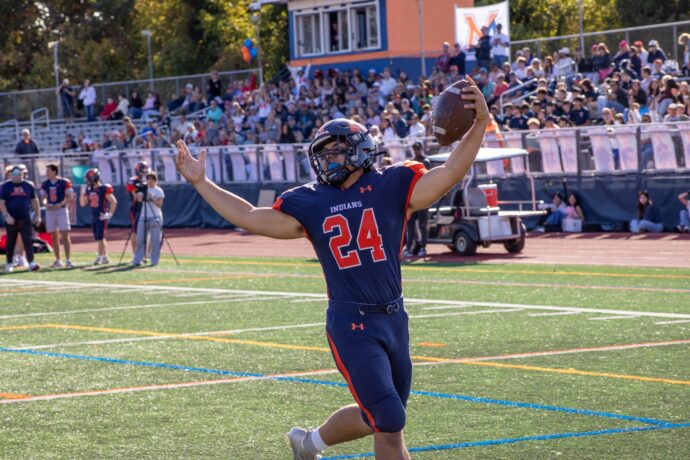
point(471, 215)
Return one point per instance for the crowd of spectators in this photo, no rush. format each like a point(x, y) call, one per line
point(634, 84)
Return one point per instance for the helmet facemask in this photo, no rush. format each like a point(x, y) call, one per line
point(359, 151)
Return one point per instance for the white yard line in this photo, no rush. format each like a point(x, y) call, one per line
point(135, 307)
point(450, 303)
point(479, 312)
point(558, 313)
point(634, 313)
point(673, 322)
point(168, 386)
point(607, 318)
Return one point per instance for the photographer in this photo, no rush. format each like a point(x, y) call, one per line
point(136, 184)
point(17, 198)
point(150, 220)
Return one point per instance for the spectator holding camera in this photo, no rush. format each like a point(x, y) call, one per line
point(150, 220)
point(648, 216)
point(17, 200)
point(684, 226)
point(134, 184)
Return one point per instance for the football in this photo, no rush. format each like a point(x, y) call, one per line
point(450, 119)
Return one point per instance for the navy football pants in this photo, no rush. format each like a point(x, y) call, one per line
point(370, 345)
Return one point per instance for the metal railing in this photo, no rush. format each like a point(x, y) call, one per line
point(666, 34)
point(592, 150)
point(20, 104)
point(512, 91)
point(10, 123)
point(38, 115)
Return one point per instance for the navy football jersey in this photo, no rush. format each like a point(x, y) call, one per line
point(357, 233)
point(98, 201)
point(55, 191)
point(18, 198)
point(132, 184)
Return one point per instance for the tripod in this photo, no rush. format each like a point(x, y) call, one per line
point(144, 208)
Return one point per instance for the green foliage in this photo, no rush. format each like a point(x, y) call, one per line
point(101, 40)
point(642, 12)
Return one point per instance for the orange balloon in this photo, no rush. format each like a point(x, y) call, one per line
point(246, 55)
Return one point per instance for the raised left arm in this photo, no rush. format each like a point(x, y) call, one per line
point(436, 183)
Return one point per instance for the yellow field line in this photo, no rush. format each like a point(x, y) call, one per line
point(455, 269)
point(13, 396)
point(577, 372)
point(188, 337)
point(29, 290)
point(432, 359)
point(25, 326)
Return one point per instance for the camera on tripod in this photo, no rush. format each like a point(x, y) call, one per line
point(141, 187)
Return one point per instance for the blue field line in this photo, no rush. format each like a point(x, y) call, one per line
point(543, 437)
point(131, 363)
point(472, 399)
point(541, 407)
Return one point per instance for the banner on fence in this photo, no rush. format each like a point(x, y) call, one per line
point(469, 22)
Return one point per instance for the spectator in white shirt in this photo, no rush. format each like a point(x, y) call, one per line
point(416, 128)
point(388, 83)
point(87, 95)
point(564, 65)
point(500, 43)
point(122, 108)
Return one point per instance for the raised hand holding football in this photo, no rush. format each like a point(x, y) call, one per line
point(450, 119)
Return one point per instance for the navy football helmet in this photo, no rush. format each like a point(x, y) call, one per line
point(353, 140)
point(92, 176)
point(141, 168)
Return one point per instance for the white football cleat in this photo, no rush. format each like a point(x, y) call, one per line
point(9, 268)
point(297, 436)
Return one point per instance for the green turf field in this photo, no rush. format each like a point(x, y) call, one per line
point(219, 357)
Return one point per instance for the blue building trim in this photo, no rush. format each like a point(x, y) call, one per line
point(383, 25)
point(410, 65)
point(292, 35)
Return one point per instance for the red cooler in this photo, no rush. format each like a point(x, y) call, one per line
point(491, 192)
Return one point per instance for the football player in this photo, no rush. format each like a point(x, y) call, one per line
point(355, 215)
point(58, 195)
point(134, 185)
point(99, 197)
point(17, 200)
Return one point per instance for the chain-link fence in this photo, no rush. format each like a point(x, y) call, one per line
point(18, 105)
point(665, 34)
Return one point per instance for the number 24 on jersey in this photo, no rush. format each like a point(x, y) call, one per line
point(368, 239)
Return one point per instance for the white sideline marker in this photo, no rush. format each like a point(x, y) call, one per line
point(457, 304)
point(558, 313)
point(607, 318)
point(673, 322)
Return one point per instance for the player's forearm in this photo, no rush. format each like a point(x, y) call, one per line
point(463, 155)
point(3, 208)
point(230, 206)
point(37, 207)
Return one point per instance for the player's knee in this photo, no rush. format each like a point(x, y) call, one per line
point(391, 415)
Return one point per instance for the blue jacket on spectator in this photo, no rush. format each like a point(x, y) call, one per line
point(652, 214)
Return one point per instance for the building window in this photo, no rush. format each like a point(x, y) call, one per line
point(309, 34)
point(365, 26)
point(327, 30)
point(337, 32)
